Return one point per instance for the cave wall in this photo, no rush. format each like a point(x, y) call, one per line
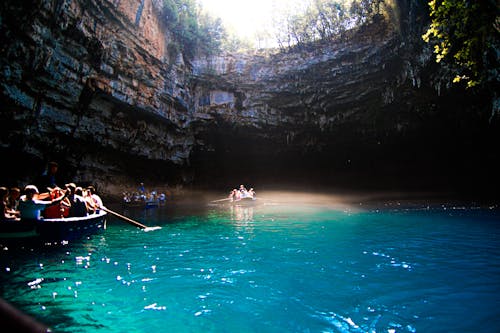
point(92, 84)
point(89, 84)
point(371, 109)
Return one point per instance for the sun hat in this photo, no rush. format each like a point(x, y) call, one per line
point(31, 189)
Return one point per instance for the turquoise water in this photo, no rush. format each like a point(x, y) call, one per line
point(270, 268)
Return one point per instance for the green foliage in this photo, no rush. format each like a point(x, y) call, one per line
point(170, 13)
point(324, 19)
point(196, 32)
point(320, 20)
point(462, 32)
point(193, 31)
point(362, 10)
point(212, 34)
point(233, 43)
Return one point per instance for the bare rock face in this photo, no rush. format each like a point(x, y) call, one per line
point(87, 83)
point(370, 109)
point(92, 84)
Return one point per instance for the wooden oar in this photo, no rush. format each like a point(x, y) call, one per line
point(129, 220)
point(221, 200)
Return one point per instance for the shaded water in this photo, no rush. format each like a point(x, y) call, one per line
point(280, 267)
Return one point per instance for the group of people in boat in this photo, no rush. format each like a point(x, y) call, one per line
point(56, 202)
point(142, 195)
point(242, 193)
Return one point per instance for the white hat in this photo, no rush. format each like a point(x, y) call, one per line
point(31, 188)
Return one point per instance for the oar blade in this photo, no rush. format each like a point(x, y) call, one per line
point(220, 200)
point(147, 229)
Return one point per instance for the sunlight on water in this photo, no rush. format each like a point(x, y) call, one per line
point(280, 266)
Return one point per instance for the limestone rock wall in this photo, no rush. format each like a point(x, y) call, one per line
point(88, 83)
point(371, 108)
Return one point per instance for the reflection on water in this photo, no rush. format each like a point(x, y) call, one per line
point(241, 213)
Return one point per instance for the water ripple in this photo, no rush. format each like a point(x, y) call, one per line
point(283, 270)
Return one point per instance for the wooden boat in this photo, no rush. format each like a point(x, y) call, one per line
point(248, 201)
point(67, 228)
point(17, 229)
point(152, 203)
point(142, 203)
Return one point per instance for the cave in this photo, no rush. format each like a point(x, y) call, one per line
point(94, 86)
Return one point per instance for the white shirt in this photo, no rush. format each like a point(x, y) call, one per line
point(97, 200)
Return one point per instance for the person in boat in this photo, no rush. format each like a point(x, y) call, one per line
point(13, 201)
point(243, 192)
point(96, 199)
point(162, 198)
point(152, 196)
point(31, 207)
point(235, 195)
point(4, 195)
point(91, 205)
point(48, 178)
point(79, 206)
point(142, 189)
point(60, 210)
point(251, 193)
point(127, 197)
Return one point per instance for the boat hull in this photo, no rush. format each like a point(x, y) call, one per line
point(72, 227)
point(17, 229)
point(244, 202)
point(142, 203)
point(68, 228)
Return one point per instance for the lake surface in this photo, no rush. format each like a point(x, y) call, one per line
point(275, 267)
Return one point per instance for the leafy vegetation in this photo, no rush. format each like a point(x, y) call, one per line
point(464, 34)
point(326, 19)
point(194, 32)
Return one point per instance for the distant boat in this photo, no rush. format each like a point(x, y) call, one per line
point(66, 228)
point(247, 201)
point(150, 203)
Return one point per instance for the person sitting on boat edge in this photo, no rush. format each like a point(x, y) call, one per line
point(31, 207)
point(96, 199)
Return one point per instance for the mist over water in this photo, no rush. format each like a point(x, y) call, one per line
point(294, 262)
